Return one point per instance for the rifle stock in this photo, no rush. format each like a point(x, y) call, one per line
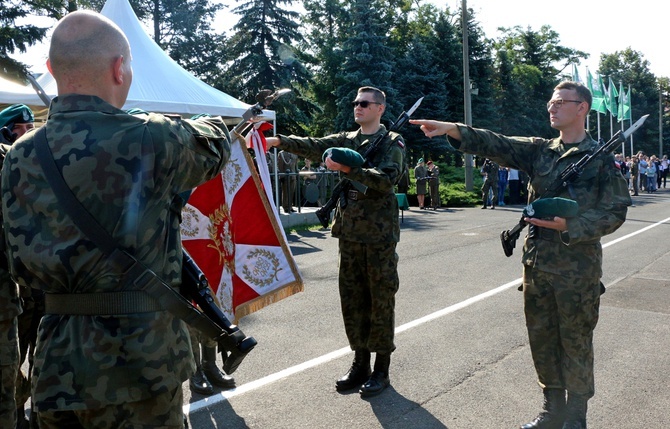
point(233, 344)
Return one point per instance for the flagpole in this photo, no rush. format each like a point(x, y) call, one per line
point(630, 109)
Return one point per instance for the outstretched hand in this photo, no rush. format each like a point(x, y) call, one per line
point(433, 128)
point(336, 166)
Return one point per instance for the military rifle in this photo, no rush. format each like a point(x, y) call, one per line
point(570, 174)
point(342, 188)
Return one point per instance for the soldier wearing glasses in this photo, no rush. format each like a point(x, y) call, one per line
point(368, 230)
point(562, 257)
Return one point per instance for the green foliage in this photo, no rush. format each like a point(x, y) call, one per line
point(452, 188)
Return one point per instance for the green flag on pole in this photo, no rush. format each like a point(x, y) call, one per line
point(597, 92)
point(611, 98)
point(575, 74)
point(624, 104)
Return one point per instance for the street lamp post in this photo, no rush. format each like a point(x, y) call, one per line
point(466, 91)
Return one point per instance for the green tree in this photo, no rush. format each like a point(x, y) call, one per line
point(368, 60)
point(15, 38)
point(631, 69)
point(263, 56)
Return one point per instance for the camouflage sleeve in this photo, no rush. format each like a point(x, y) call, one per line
point(515, 152)
point(387, 170)
point(605, 212)
point(311, 147)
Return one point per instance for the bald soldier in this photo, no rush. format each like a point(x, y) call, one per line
point(96, 365)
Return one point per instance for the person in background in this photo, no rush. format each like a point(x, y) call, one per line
point(15, 121)
point(651, 175)
point(490, 173)
point(420, 175)
point(434, 184)
point(635, 175)
point(665, 165)
point(514, 186)
point(562, 256)
point(503, 175)
point(287, 165)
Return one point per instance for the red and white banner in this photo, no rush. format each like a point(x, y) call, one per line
point(233, 232)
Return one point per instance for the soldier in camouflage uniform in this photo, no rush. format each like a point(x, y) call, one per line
point(97, 366)
point(366, 223)
point(490, 171)
point(562, 257)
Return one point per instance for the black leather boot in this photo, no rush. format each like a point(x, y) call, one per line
point(357, 374)
point(552, 415)
point(199, 383)
point(212, 371)
point(379, 379)
point(575, 412)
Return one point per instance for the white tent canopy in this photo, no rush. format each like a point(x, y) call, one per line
point(159, 83)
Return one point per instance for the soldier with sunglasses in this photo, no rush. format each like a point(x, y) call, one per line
point(367, 226)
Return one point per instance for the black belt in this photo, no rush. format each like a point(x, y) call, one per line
point(100, 304)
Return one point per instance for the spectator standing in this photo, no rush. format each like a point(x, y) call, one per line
point(420, 176)
point(514, 186)
point(503, 177)
point(434, 184)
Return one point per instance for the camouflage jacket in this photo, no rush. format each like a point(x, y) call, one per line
point(10, 306)
point(601, 192)
point(373, 219)
point(127, 171)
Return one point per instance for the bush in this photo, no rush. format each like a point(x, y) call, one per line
point(452, 188)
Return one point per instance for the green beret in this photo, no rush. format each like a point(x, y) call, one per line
point(16, 114)
point(344, 156)
point(136, 111)
point(420, 161)
point(201, 115)
point(550, 207)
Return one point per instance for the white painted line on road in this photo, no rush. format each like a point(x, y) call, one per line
point(253, 385)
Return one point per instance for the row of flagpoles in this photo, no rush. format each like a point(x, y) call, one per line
point(608, 101)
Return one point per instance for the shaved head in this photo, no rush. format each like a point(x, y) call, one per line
point(86, 50)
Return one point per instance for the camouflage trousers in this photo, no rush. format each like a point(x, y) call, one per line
point(9, 368)
point(561, 314)
point(368, 282)
point(493, 186)
point(164, 410)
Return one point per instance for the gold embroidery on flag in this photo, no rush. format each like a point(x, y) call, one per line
point(232, 175)
point(221, 232)
point(189, 226)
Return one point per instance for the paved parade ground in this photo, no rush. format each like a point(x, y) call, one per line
point(462, 358)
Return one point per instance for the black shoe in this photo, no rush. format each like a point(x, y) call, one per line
point(357, 374)
point(483, 207)
point(199, 383)
point(375, 385)
point(493, 207)
point(552, 415)
point(219, 378)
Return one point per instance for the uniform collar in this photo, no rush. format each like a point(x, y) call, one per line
point(78, 103)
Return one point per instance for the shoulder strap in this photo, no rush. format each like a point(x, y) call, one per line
point(141, 276)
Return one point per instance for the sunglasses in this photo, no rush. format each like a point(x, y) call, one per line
point(364, 104)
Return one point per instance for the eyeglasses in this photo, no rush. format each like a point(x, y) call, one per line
point(364, 103)
point(559, 103)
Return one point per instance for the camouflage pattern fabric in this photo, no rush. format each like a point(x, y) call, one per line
point(370, 220)
point(10, 308)
point(127, 171)
point(561, 270)
point(368, 283)
point(161, 411)
point(368, 230)
point(9, 367)
point(561, 314)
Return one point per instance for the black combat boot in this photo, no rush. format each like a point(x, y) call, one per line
point(552, 415)
point(575, 412)
point(379, 379)
point(212, 371)
point(199, 382)
point(357, 374)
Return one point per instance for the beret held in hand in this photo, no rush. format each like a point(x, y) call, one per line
point(550, 207)
point(344, 156)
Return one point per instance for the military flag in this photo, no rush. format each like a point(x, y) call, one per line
point(575, 74)
point(611, 98)
point(624, 104)
point(597, 91)
point(234, 234)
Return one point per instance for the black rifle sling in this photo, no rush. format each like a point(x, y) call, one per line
point(136, 274)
